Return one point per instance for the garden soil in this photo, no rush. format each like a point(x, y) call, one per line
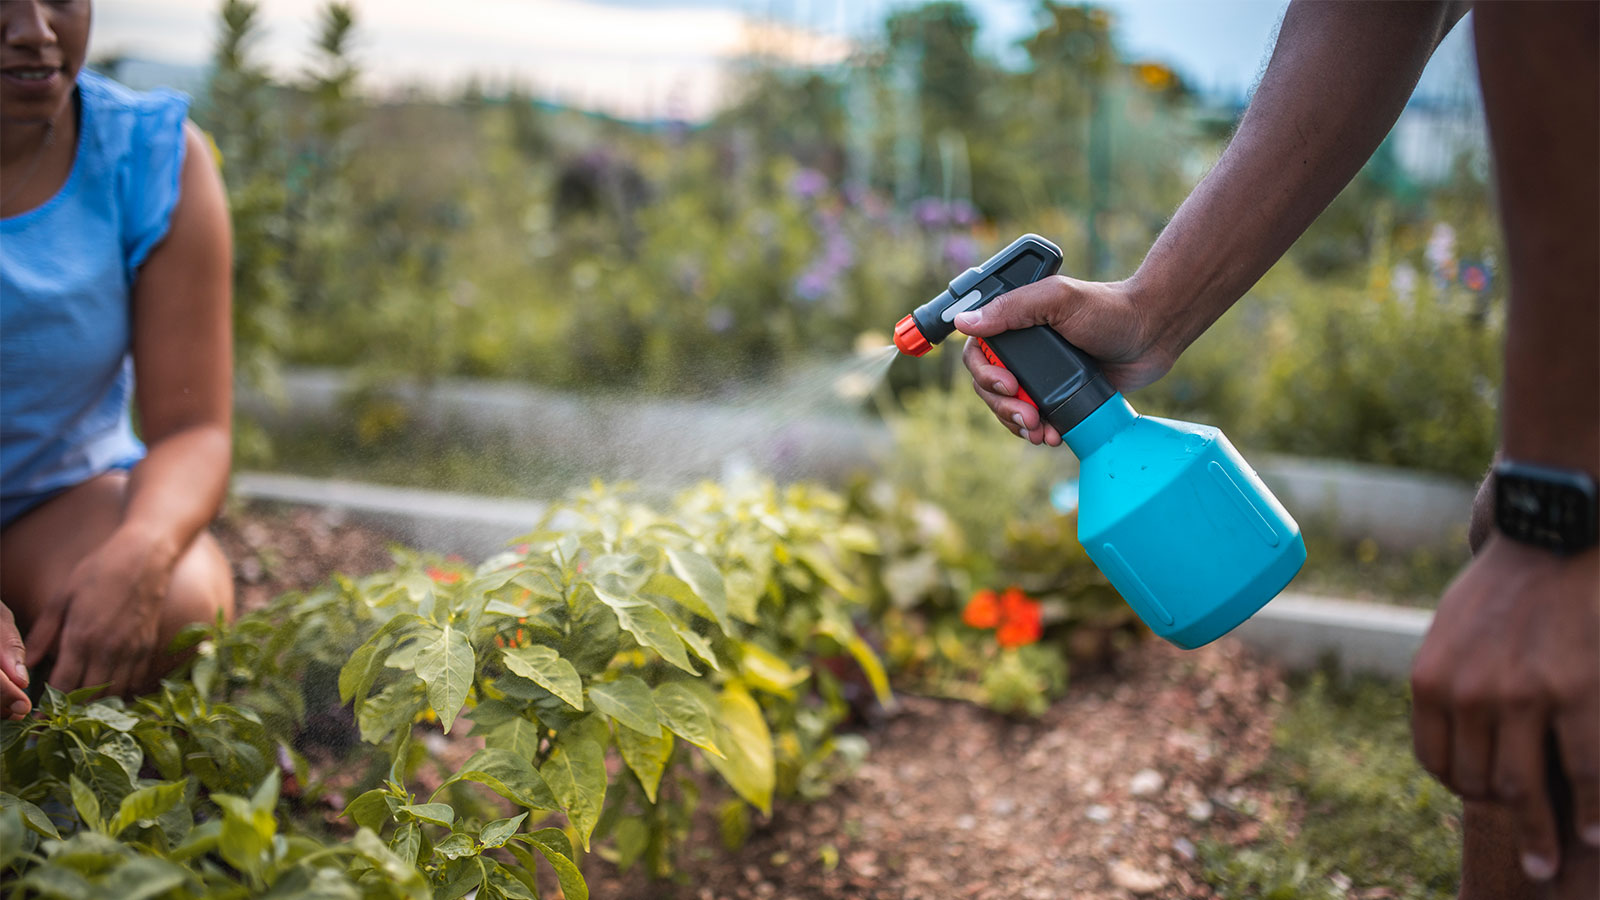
point(1108, 795)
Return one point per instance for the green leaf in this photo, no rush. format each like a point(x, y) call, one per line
point(460, 876)
point(110, 715)
point(143, 878)
point(576, 772)
point(146, 803)
point(446, 664)
point(398, 872)
point(631, 840)
point(407, 842)
point(32, 815)
point(510, 884)
point(502, 608)
point(84, 800)
point(370, 810)
point(456, 846)
point(545, 667)
point(14, 837)
point(553, 845)
point(628, 700)
point(706, 581)
point(496, 833)
point(391, 708)
point(698, 645)
point(824, 567)
point(246, 833)
point(509, 775)
point(432, 813)
point(646, 756)
point(56, 881)
point(744, 594)
point(749, 766)
point(357, 674)
point(648, 625)
point(688, 715)
point(520, 736)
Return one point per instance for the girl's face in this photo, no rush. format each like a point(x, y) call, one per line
point(42, 47)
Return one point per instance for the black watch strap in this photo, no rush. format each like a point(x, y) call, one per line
point(1546, 506)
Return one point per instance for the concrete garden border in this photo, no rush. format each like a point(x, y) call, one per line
point(675, 441)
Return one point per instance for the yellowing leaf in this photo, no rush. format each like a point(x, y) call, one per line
point(765, 671)
point(749, 766)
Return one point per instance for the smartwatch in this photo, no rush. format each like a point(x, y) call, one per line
point(1545, 506)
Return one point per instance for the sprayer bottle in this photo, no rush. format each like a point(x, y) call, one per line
point(1169, 511)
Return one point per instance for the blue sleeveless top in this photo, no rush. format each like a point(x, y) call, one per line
point(67, 270)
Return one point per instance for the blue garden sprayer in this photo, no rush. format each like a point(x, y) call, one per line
point(1169, 511)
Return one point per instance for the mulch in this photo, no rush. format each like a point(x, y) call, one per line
point(1105, 796)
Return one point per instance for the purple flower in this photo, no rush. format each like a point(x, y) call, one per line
point(962, 213)
point(960, 251)
point(930, 212)
point(812, 284)
point(807, 184)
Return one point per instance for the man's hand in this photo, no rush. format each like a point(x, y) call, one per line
point(13, 673)
point(1102, 320)
point(104, 626)
point(1513, 660)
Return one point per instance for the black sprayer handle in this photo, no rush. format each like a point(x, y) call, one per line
point(1058, 378)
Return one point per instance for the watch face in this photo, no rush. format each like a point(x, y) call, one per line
point(1552, 508)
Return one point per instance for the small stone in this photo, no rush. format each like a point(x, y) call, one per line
point(965, 822)
point(1200, 810)
point(1098, 813)
point(1136, 880)
point(1185, 847)
point(1092, 787)
point(1146, 782)
point(752, 874)
point(1002, 806)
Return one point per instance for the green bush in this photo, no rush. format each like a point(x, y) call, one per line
point(667, 644)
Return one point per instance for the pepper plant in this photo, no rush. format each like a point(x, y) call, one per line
point(595, 669)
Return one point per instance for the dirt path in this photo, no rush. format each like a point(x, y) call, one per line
point(1106, 796)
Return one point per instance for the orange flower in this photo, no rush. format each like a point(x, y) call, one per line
point(441, 576)
point(983, 610)
point(1020, 619)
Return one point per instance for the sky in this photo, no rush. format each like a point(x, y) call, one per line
point(657, 58)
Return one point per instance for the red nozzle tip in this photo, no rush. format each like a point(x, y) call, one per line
point(908, 337)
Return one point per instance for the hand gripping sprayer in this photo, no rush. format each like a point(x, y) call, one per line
point(1169, 511)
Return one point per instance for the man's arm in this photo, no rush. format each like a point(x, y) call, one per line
point(1339, 76)
point(1511, 667)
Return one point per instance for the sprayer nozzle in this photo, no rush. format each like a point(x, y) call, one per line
point(909, 338)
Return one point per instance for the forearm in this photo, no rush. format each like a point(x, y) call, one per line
point(1540, 94)
point(1339, 76)
point(177, 489)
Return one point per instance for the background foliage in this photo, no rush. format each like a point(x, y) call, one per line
point(487, 234)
